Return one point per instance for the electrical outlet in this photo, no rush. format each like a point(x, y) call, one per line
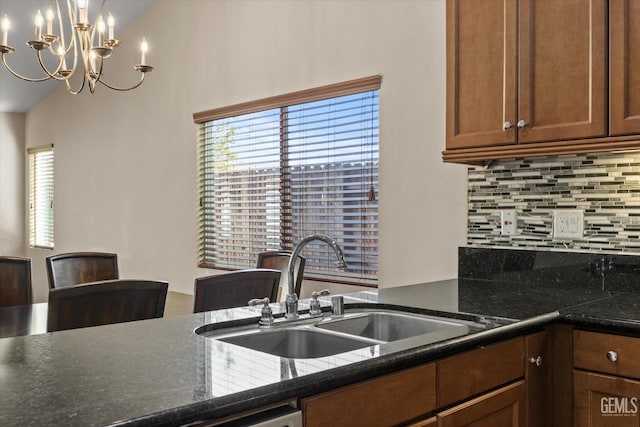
point(568, 224)
point(508, 222)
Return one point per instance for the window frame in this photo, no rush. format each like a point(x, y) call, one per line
point(367, 84)
point(41, 213)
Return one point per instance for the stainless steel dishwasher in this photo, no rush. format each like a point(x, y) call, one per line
point(282, 416)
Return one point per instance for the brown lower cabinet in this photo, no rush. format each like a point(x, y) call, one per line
point(556, 377)
point(606, 380)
point(485, 386)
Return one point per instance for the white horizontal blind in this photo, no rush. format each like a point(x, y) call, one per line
point(333, 167)
point(239, 189)
point(270, 178)
point(41, 196)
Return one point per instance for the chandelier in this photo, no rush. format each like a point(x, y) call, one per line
point(88, 47)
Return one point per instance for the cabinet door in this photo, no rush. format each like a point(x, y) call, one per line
point(500, 408)
point(605, 401)
point(385, 401)
point(624, 51)
point(481, 72)
point(562, 64)
point(538, 377)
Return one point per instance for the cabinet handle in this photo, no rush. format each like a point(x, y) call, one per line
point(507, 125)
point(521, 124)
point(536, 360)
point(612, 355)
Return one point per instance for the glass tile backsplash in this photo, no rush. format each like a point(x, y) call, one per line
point(605, 186)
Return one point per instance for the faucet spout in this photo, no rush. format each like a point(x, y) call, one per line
point(292, 299)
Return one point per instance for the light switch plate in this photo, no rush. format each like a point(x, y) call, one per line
point(568, 224)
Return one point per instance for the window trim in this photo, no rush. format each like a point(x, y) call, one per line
point(33, 151)
point(333, 90)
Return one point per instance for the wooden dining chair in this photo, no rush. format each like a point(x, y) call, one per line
point(74, 268)
point(105, 302)
point(234, 289)
point(279, 260)
point(15, 281)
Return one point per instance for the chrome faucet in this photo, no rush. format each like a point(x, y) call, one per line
point(292, 299)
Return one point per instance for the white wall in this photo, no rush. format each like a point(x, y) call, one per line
point(12, 187)
point(126, 162)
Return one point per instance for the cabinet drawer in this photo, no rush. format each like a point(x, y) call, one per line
point(476, 371)
point(388, 400)
point(591, 352)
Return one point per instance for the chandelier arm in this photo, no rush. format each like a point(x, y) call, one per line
point(71, 11)
point(46, 70)
point(73, 91)
point(72, 71)
point(51, 50)
point(73, 34)
point(98, 73)
point(124, 89)
point(60, 25)
point(74, 42)
point(61, 40)
point(28, 79)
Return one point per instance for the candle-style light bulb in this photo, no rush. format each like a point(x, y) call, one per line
point(144, 48)
point(61, 54)
point(111, 23)
point(6, 24)
point(83, 11)
point(101, 29)
point(50, 16)
point(39, 21)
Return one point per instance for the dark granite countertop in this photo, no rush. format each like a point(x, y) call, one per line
point(158, 372)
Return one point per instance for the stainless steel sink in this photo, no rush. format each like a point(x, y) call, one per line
point(317, 337)
point(296, 343)
point(385, 326)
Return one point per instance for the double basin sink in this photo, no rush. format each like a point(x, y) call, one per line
point(359, 328)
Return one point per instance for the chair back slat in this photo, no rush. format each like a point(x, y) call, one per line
point(15, 281)
point(234, 289)
point(74, 268)
point(105, 302)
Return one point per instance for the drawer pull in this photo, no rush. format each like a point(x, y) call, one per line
point(612, 355)
point(507, 125)
point(536, 360)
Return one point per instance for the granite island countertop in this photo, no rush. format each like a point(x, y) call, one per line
point(158, 372)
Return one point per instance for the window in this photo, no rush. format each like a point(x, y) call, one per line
point(41, 196)
point(277, 170)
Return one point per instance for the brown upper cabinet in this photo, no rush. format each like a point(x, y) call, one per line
point(530, 77)
point(625, 66)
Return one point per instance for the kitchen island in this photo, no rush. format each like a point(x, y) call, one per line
point(159, 372)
